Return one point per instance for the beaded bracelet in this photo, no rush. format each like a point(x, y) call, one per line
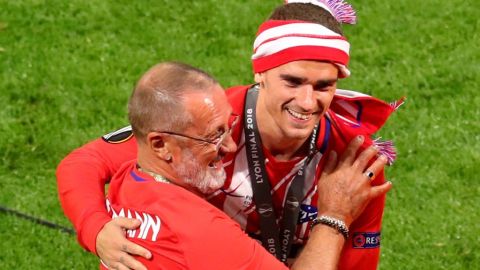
point(337, 224)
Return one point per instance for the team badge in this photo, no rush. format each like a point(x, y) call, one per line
point(366, 240)
point(119, 136)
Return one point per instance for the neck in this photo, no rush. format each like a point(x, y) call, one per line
point(154, 167)
point(162, 172)
point(284, 150)
point(158, 177)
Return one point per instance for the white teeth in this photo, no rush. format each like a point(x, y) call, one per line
point(299, 115)
point(214, 165)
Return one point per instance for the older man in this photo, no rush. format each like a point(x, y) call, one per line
point(290, 120)
point(182, 122)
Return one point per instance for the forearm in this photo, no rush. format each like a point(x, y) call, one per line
point(81, 191)
point(322, 250)
point(81, 179)
point(363, 248)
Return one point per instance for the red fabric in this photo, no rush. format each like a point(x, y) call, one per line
point(81, 178)
point(82, 174)
point(274, 23)
point(299, 53)
point(190, 232)
point(291, 52)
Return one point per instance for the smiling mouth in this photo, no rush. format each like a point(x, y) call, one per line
point(299, 116)
point(217, 163)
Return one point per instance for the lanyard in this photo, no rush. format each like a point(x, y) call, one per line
point(276, 240)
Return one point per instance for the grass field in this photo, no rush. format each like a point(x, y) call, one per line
point(67, 69)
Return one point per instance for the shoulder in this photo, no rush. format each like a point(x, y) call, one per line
point(236, 97)
point(239, 90)
point(360, 111)
point(353, 113)
point(119, 136)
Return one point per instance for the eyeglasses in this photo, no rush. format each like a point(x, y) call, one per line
point(218, 141)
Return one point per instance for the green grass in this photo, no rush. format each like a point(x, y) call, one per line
point(67, 69)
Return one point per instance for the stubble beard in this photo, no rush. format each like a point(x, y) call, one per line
point(206, 180)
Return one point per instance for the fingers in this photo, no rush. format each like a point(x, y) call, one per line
point(365, 156)
point(380, 190)
point(134, 249)
point(376, 167)
point(128, 262)
point(115, 250)
point(118, 266)
point(350, 153)
point(123, 260)
point(331, 163)
point(126, 223)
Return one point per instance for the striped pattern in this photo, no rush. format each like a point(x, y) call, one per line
point(280, 42)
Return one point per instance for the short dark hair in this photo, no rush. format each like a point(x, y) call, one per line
point(157, 100)
point(308, 13)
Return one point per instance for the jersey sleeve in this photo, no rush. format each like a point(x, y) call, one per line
point(362, 248)
point(353, 113)
point(81, 178)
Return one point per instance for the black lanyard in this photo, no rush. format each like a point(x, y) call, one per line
point(278, 244)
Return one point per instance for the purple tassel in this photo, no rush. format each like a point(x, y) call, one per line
point(341, 10)
point(396, 104)
point(387, 149)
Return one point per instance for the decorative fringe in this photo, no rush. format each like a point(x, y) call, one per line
point(341, 10)
point(396, 104)
point(386, 148)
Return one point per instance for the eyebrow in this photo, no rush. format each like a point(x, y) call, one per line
point(214, 133)
point(301, 80)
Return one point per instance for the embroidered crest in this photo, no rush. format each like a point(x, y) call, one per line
point(366, 240)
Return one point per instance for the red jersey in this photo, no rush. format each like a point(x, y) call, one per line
point(182, 230)
point(350, 114)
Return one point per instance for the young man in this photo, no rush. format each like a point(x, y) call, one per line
point(290, 120)
point(179, 161)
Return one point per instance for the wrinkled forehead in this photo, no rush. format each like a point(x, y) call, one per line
point(208, 109)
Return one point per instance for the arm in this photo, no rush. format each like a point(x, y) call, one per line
point(363, 246)
point(81, 179)
point(344, 192)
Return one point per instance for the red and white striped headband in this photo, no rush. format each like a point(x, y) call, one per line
point(282, 41)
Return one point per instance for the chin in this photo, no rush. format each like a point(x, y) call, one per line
point(213, 181)
point(298, 134)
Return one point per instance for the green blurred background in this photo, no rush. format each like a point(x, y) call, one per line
point(67, 69)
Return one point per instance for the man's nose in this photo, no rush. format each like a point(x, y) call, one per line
point(306, 98)
point(228, 145)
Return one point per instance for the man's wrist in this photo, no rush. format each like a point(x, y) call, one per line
point(337, 224)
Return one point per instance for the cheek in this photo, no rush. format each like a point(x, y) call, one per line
point(325, 98)
point(280, 96)
point(205, 155)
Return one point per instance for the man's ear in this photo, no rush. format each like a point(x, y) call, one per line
point(258, 78)
point(156, 142)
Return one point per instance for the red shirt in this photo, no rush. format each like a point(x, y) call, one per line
point(182, 230)
point(351, 114)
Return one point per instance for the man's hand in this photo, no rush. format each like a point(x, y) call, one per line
point(345, 186)
point(115, 250)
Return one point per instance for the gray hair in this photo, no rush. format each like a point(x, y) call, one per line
point(157, 100)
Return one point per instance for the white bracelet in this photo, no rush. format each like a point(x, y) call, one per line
point(337, 224)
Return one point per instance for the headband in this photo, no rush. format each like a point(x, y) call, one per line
point(282, 41)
